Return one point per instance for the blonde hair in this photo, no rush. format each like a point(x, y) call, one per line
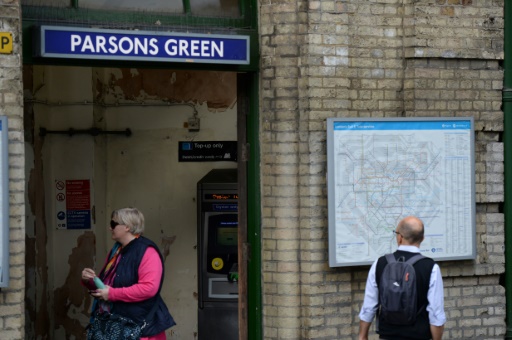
point(130, 217)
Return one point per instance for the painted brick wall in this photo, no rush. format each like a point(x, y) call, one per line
point(12, 309)
point(380, 58)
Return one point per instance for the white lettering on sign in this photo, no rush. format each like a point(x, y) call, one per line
point(194, 47)
point(170, 47)
point(112, 42)
point(145, 46)
point(125, 45)
point(183, 48)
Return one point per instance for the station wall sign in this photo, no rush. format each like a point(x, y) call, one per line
point(104, 44)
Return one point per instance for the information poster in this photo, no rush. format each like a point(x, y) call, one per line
point(4, 203)
point(73, 203)
point(382, 170)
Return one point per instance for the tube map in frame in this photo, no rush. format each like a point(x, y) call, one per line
point(382, 170)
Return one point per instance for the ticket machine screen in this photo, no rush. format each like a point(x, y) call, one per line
point(227, 236)
point(222, 249)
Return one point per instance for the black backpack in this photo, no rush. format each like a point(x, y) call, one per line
point(398, 296)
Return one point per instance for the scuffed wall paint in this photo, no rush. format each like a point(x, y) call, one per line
point(216, 89)
point(30, 285)
point(71, 298)
point(166, 243)
point(37, 207)
point(30, 240)
point(37, 312)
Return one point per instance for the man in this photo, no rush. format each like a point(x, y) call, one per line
point(430, 320)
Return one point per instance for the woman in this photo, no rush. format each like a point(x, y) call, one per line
point(133, 275)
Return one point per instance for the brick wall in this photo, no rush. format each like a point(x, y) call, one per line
point(12, 311)
point(381, 58)
point(344, 58)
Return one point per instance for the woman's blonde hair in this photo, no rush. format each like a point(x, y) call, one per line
point(130, 217)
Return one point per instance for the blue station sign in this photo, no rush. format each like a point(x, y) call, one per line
point(90, 43)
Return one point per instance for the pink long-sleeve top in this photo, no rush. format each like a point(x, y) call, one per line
point(150, 273)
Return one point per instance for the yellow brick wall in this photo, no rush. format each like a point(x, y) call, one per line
point(12, 309)
point(358, 58)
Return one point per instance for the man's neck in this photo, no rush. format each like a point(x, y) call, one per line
point(409, 247)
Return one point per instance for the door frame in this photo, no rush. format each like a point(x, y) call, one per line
point(249, 231)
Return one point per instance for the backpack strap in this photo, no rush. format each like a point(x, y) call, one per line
point(412, 261)
point(390, 258)
point(415, 259)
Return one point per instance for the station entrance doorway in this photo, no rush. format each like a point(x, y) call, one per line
point(119, 131)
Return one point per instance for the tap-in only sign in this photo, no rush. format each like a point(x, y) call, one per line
point(5, 42)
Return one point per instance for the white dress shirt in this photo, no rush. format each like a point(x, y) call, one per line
point(435, 295)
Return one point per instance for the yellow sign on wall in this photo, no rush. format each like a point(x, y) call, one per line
point(5, 42)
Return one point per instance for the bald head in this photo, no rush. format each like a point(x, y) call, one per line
point(412, 230)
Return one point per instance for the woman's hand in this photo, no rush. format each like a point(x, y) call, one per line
point(101, 294)
point(88, 274)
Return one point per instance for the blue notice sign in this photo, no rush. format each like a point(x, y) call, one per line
point(88, 43)
point(78, 219)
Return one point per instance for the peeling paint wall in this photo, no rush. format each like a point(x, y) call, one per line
point(72, 304)
point(215, 90)
point(141, 170)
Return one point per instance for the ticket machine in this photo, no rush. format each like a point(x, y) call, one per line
point(217, 232)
